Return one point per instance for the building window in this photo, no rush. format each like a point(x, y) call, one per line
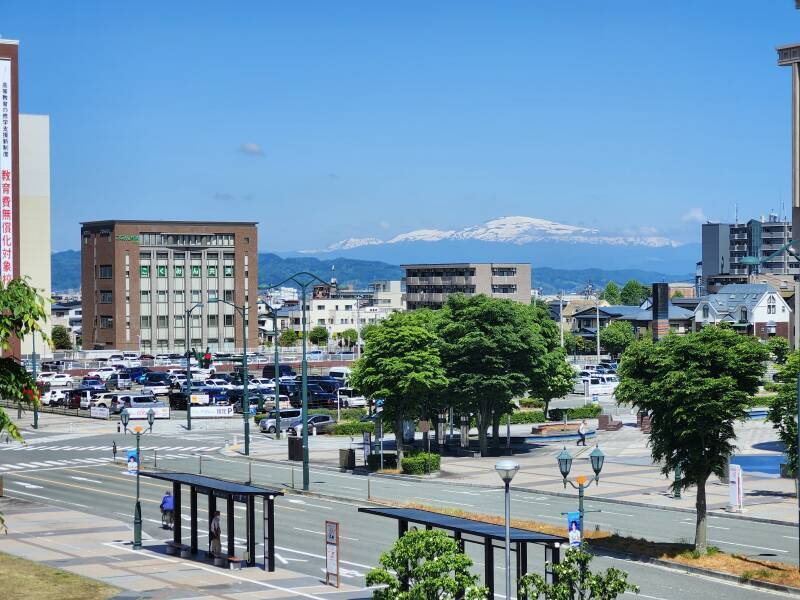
point(504, 272)
point(213, 320)
point(105, 272)
point(145, 322)
point(196, 296)
point(229, 295)
point(504, 289)
point(213, 296)
point(178, 270)
point(706, 311)
point(179, 297)
point(162, 296)
point(106, 322)
point(178, 321)
point(145, 297)
point(195, 270)
point(771, 307)
point(743, 315)
point(162, 321)
point(228, 270)
point(228, 320)
point(106, 297)
point(212, 271)
point(161, 270)
point(320, 307)
point(320, 321)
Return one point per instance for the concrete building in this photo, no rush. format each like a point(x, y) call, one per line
point(752, 309)
point(67, 313)
point(428, 285)
point(34, 215)
point(138, 279)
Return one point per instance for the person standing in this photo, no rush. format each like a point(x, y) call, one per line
point(582, 433)
point(215, 534)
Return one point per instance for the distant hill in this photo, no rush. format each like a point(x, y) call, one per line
point(273, 269)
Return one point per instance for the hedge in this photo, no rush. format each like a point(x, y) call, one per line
point(389, 461)
point(581, 412)
point(525, 416)
point(353, 428)
point(531, 403)
point(348, 414)
point(420, 463)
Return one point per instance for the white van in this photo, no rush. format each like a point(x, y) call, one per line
point(341, 373)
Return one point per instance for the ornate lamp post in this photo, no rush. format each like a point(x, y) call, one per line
point(137, 510)
point(189, 368)
point(506, 469)
point(565, 464)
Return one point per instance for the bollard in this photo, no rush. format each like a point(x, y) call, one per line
point(200, 470)
point(292, 477)
point(155, 459)
point(369, 488)
point(249, 472)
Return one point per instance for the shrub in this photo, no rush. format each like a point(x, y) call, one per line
point(770, 386)
point(531, 403)
point(389, 461)
point(348, 414)
point(581, 412)
point(353, 428)
point(525, 416)
point(420, 463)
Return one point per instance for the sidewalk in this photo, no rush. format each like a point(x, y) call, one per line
point(99, 548)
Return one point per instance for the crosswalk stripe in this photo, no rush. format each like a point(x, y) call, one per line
point(56, 462)
point(26, 465)
point(14, 467)
point(40, 464)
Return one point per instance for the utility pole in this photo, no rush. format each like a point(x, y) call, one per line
point(561, 316)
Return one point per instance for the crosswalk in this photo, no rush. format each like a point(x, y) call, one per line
point(51, 464)
point(107, 448)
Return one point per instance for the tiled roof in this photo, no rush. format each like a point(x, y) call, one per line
point(730, 297)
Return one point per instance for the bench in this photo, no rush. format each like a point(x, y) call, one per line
point(236, 563)
point(607, 423)
point(174, 549)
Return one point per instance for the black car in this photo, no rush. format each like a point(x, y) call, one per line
point(327, 383)
point(283, 371)
point(317, 398)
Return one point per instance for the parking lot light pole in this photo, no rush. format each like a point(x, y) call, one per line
point(33, 374)
point(303, 280)
point(189, 367)
point(274, 315)
point(242, 310)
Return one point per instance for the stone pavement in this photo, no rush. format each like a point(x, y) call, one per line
point(99, 548)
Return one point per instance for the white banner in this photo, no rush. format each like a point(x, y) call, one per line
point(207, 412)
point(162, 412)
point(98, 412)
point(6, 175)
point(198, 399)
point(735, 488)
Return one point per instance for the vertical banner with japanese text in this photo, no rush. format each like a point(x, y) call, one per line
point(6, 174)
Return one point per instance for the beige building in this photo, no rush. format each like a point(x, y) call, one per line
point(34, 238)
point(428, 285)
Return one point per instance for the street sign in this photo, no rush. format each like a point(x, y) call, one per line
point(332, 553)
point(367, 440)
point(735, 488)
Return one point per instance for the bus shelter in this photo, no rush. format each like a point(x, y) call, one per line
point(230, 492)
point(478, 532)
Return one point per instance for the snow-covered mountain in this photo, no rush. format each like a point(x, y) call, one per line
point(523, 239)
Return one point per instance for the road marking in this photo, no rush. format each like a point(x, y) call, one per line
point(48, 499)
point(536, 502)
point(445, 501)
point(608, 512)
point(312, 555)
point(75, 477)
point(323, 533)
point(749, 546)
point(293, 501)
point(790, 537)
point(644, 596)
point(27, 485)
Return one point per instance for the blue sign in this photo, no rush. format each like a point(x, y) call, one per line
point(253, 409)
point(574, 529)
point(133, 462)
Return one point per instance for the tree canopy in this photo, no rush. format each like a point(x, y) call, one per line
point(783, 410)
point(433, 565)
point(779, 348)
point(634, 293)
point(616, 337)
point(694, 387)
point(348, 336)
point(318, 335)
point(611, 294)
point(288, 337)
point(61, 338)
point(552, 377)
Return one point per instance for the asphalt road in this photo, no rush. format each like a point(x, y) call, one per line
point(77, 473)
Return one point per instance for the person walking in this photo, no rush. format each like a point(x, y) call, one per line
point(582, 433)
point(215, 534)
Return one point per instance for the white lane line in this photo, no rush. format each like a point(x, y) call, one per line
point(46, 498)
point(56, 462)
point(25, 484)
point(693, 524)
point(536, 502)
point(301, 553)
point(25, 466)
point(790, 537)
point(644, 596)
point(40, 464)
point(323, 533)
point(218, 572)
point(444, 501)
point(608, 512)
point(748, 546)
point(76, 478)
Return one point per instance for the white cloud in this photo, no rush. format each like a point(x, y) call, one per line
point(696, 215)
point(251, 148)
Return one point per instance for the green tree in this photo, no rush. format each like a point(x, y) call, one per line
point(21, 313)
point(61, 338)
point(349, 337)
point(575, 580)
point(366, 329)
point(634, 293)
point(616, 337)
point(694, 387)
point(288, 337)
point(552, 376)
point(779, 348)
point(490, 348)
point(677, 294)
point(783, 410)
point(611, 294)
point(570, 342)
point(433, 565)
point(318, 335)
point(400, 364)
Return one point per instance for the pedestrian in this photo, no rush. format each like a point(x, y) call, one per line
point(582, 433)
point(214, 535)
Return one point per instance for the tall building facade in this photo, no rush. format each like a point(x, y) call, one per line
point(138, 279)
point(428, 285)
point(726, 244)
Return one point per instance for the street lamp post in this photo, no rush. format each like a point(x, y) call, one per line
point(506, 469)
point(189, 367)
point(242, 310)
point(565, 464)
point(33, 374)
point(137, 509)
point(303, 280)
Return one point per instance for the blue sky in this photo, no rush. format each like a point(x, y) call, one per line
point(327, 120)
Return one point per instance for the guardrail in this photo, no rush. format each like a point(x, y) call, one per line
point(56, 410)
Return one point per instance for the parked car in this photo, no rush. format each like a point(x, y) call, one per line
point(79, 397)
point(46, 376)
point(103, 400)
point(179, 398)
point(156, 384)
point(320, 423)
point(219, 383)
point(269, 423)
point(350, 398)
point(283, 371)
point(120, 401)
point(93, 383)
point(340, 373)
point(60, 380)
point(103, 372)
point(54, 397)
point(137, 373)
point(119, 381)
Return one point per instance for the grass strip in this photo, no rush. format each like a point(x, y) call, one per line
point(33, 581)
point(746, 568)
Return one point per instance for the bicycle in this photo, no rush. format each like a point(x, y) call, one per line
point(166, 519)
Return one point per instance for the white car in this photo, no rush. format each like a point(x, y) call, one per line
point(60, 380)
point(53, 397)
point(219, 383)
point(102, 400)
point(349, 398)
point(262, 384)
point(103, 373)
point(45, 376)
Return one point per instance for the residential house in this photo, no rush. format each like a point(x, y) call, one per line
point(753, 309)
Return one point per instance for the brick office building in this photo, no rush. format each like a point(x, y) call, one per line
point(138, 278)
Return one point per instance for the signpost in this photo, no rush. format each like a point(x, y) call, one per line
point(367, 440)
point(332, 553)
point(735, 488)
